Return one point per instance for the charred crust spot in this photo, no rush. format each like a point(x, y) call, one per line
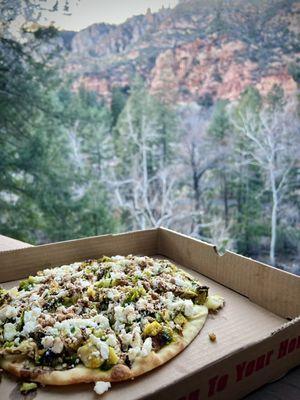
point(120, 372)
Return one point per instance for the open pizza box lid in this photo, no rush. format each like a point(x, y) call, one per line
point(258, 330)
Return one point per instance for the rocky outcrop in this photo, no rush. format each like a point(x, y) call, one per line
point(191, 52)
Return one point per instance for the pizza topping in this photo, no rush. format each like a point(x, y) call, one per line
point(9, 331)
point(212, 337)
point(214, 302)
point(57, 345)
point(101, 387)
point(47, 342)
point(27, 387)
point(100, 313)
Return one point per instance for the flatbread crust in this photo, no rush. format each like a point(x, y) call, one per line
point(81, 374)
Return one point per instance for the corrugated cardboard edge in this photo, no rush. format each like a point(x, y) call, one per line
point(30, 260)
point(276, 290)
point(230, 270)
point(241, 371)
point(7, 243)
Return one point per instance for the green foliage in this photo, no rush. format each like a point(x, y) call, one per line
point(220, 125)
point(118, 101)
point(39, 176)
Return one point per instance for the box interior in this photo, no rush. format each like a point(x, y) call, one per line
point(240, 324)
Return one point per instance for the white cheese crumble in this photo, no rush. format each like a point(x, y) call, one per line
point(9, 331)
point(102, 321)
point(147, 347)
point(30, 320)
point(101, 387)
point(111, 340)
point(11, 312)
point(125, 337)
point(101, 346)
point(133, 353)
point(188, 308)
point(182, 283)
point(47, 342)
point(58, 345)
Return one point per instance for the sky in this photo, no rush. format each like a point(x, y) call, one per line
point(86, 12)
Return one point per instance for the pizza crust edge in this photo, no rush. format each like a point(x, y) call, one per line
point(120, 372)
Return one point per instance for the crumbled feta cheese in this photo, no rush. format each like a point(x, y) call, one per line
point(111, 340)
point(11, 312)
point(57, 345)
point(101, 346)
point(147, 347)
point(130, 313)
point(118, 326)
point(17, 341)
point(141, 304)
point(104, 350)
point(182, 283)
point(113, 294)
point(125, 337)
point(119, 314)
point(102, 321)
point(30, 320)
point(133, 353)
point(136, 340)
point(84, 283)
point(117, 275)
point(9, 331)
point(34, 297)
point(68, 324)
point(101, 387)
point(188, 308)
point(118, 258)
point(47, 342)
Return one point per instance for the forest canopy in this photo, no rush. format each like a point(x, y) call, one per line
point(74, 164)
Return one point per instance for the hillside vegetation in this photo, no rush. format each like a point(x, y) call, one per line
point(187, 118)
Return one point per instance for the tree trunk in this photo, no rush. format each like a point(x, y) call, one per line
point(196, 188)
point(273, 218)
point(225, 198)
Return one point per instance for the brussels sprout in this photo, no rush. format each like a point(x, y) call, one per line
point(134, 295)
point(69, 301)
point(91, 292)
point(104, 259)
point(27, 284)
point(180, 319)
point(8, 344)
point(4, 296)
point(152, 329)
point(104, 283)
point(90, 356)
point(99, 333)
point(27, 387)
point(21, 321)
point(202, 293)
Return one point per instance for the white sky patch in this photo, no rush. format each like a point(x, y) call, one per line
point(86, 12)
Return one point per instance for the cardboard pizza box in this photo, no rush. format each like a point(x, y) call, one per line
point(258, 330)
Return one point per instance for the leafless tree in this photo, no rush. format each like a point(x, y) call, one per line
point(200, 154)
point(147, 197)
point(273, 139)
